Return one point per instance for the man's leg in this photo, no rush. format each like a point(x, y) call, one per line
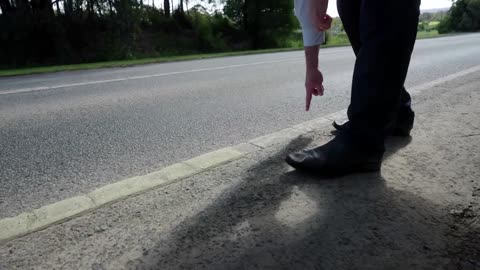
point(387, 35)
point(349, 11)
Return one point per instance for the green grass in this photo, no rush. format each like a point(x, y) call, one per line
point(430, 34)
point(127, 63)
point(338, 40)
point(433, 23)
point(293, 46)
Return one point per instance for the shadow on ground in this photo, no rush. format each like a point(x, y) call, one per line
point(276, 219)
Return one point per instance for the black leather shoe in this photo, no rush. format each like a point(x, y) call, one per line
point(337, 157)
point(402, 128)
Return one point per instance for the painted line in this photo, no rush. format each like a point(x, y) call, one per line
point(32, 221)
point(443, 80)
point(32, 89)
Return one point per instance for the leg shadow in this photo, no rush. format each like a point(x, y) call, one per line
point(275, 219)
point(198, 240)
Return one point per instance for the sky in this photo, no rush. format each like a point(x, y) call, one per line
point(332, 7)
point(426, 4)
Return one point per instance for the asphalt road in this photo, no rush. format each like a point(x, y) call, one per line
point(67, 133)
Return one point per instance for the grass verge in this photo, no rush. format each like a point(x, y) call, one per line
point(134, 62)
point(430, 34)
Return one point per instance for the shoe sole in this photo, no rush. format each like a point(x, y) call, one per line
point(398, 132)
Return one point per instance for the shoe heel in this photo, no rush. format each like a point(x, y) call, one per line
point(373, 166)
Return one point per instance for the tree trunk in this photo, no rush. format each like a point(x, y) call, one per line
point(22, 5)
point(110, 8)
point(68, 7)
point(44, 7)
point(5, 6)
point(166, 7)
point(90, 8)
point(245, 15)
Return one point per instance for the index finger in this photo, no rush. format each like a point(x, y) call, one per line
point(308, 99)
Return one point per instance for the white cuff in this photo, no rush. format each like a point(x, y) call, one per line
point(312, 37)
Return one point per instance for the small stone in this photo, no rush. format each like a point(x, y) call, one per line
point(456, 212)
point(97, 266)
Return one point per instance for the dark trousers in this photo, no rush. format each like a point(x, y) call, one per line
point(382, 34)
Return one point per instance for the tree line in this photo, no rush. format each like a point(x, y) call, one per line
point(464, 16)
point(46, 32)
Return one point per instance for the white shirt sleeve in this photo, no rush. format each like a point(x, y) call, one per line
point(311, 36)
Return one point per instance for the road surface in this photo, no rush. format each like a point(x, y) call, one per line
point(68, 133)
